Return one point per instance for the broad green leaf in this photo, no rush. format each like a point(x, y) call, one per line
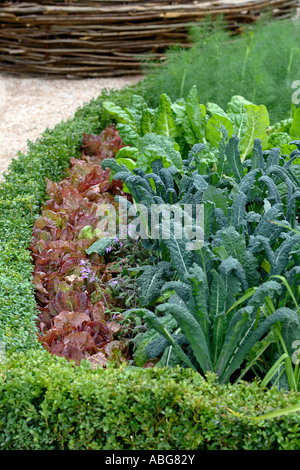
point(213, 126)
point(138, 104)
point(130, 164)
point(182, 290)
point(188, 133)
point(129, 135)
point(217, 197)
point(195, 113)
point(100, 246)
point(220, 252)
point(238, 210)
point(155, 323)
point(151, 282)
point(121, 115)
point(179, 110)
point(256, 127)
point(128, 152)
point(235, 246)
point(193, 332)
point(113, 165)
point(295, 126)
point(213, 108)
point(164, 120)
point(233, 157)
point(153, 147)
point(147, 121)
point(181, 258)
point(204, 258)
point(234, 272)
point(237, 114)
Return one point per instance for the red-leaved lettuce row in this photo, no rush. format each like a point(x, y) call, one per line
point(71, 323)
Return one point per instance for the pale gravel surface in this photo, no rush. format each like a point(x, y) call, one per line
point(30, 105)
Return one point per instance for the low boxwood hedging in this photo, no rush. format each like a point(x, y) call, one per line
point(47, 402)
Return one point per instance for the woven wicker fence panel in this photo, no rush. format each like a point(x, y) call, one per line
point(108, 38)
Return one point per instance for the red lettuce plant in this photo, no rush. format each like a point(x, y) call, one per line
point(72, 320)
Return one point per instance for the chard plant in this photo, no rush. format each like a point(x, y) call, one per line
point(171, 129)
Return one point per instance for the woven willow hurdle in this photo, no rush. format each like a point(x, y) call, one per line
point(78, 38)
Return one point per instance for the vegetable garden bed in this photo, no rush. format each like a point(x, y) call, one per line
point(46, 398)
point(147, 343)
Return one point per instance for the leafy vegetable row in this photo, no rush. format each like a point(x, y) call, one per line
point(187, 122)
point(218, 295)
point(70, 286)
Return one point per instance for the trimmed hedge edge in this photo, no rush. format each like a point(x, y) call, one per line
point(48, 403)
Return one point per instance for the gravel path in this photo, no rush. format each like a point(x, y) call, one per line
point(29, 105)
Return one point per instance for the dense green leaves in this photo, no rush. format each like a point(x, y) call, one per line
point(48, 404)
point(208, 331)
point(186, 123)
point(152, 280)
point(242, 249)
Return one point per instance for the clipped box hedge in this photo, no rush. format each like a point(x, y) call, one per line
point(48, 403)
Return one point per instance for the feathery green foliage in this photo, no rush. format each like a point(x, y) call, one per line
point(260, 65)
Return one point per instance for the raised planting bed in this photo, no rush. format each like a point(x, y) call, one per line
point(71, 378)
point(88, 39)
